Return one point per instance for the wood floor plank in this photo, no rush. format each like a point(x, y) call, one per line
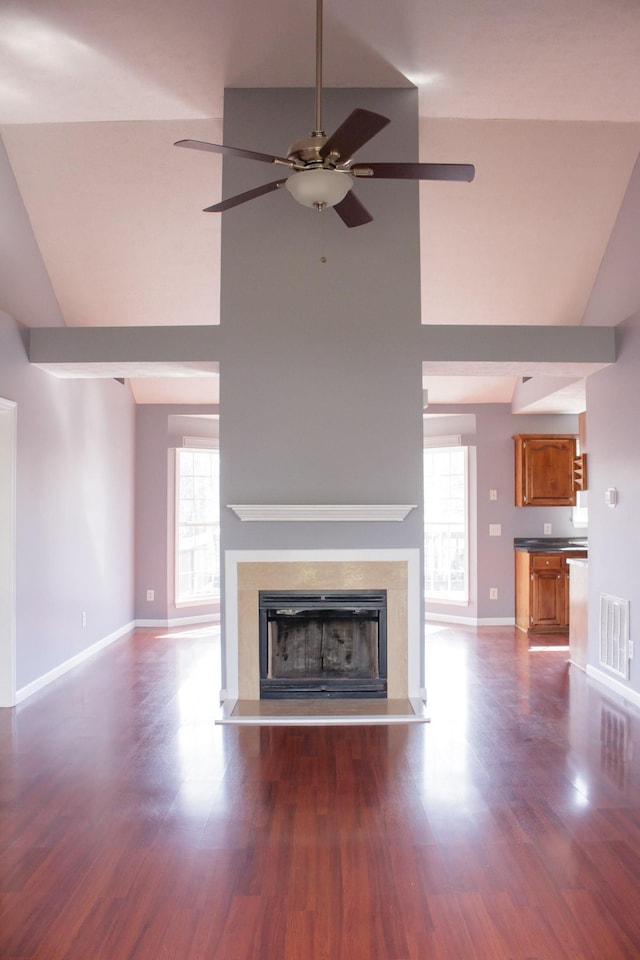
point(132, 827)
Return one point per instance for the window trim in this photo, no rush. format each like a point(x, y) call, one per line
point(211, 445)
point(465, 599)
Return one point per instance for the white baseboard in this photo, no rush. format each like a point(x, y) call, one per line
point(496, 622)
point(179, 621)
point(89, 652)
point(72, 662)
point(447, 618)
point(471, 621)
point(594, 673)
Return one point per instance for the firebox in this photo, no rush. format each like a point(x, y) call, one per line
point(323, 644)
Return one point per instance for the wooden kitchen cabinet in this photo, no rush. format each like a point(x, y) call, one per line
point(547, 606)
point(542, 591)
point(544, 470)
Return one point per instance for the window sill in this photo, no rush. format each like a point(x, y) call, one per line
point(446, 603)
point(204, 602)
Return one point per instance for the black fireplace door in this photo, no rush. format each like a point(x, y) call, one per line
point(323, 644)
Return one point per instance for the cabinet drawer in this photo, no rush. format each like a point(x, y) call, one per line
point(547, 561)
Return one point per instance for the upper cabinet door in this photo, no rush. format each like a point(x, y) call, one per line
point(544, 467)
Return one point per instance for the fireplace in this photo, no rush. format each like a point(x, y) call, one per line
point(322, 644)
point(394, 571)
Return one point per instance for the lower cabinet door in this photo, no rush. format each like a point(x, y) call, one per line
point(548, 599)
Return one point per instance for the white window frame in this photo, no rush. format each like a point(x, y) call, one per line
point(210, 446)
point(461, 597)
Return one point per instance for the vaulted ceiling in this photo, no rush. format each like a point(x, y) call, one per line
point(542, 98)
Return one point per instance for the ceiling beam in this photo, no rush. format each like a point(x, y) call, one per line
point(197, 350)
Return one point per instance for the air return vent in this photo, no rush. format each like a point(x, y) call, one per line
point(614, 634)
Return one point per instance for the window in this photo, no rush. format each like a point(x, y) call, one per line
point(446, 524)
point(580, 513)
point(197, 526)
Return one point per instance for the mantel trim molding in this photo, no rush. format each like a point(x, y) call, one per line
point(305, 512)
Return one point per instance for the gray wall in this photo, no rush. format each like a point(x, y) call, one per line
point(320, 383)
point(25, 289)
point(74, 509)
point(159, 429)
point(613, 428)
point(74, 473)
point(613, 445)
point(616, 292)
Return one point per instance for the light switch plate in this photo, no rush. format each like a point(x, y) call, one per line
point(495, 529)
point(611, 497)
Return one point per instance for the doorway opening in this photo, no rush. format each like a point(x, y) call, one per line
point(8, 434)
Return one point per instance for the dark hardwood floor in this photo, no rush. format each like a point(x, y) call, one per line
point(132, 828)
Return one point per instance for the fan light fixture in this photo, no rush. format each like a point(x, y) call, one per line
point(319, 187)
point(322, 169)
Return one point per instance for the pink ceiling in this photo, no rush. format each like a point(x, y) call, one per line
point(540, 97)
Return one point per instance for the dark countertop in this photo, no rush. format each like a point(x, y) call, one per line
point(550, 544)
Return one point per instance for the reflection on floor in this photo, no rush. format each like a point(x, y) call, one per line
point(134, 826)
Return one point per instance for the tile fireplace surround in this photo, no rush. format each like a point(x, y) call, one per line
point(249, 571)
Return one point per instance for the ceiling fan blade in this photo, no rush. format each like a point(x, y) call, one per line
point(414, 171)
point(232, 151)
point(352, 212)
point(359, 127)
point(243, 197)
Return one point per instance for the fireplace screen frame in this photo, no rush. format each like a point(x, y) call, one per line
point(278, 604)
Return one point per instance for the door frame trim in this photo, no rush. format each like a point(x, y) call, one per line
point(8, 485)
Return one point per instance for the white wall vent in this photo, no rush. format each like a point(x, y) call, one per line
point(614, 634)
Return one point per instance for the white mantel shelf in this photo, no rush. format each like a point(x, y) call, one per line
point(305, 512)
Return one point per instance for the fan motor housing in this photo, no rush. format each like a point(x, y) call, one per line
point(307, 151)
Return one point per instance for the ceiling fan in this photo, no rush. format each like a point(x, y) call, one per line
point(323, 170)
